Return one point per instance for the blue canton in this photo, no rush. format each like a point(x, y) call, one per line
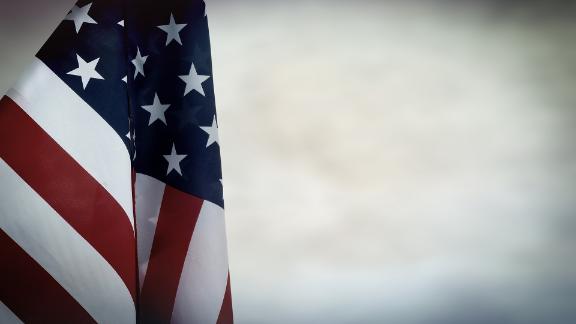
point(152, 83)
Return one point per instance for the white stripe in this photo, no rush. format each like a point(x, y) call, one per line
point(205, 272)
point(62, 252)
point(149, 193)
point(6, 315)
point(78, 129)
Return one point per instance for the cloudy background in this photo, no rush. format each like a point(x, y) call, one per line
point(402, 162)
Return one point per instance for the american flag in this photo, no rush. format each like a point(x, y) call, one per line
point(111, 203)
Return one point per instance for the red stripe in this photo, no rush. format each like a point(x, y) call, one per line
point(176, 222)
point(68, 188)
point(226, 316)
point(31, 293)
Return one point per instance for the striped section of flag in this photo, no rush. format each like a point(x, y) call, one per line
point(111, 207)
point(78, 240)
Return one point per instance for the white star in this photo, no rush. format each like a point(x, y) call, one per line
point(194, 81)
point(86, 71)
point(125, 79)
point(132, 139)
point(212, 132)
point(172, 31)
point(121, 23)
point(138, 62)
point(174, 160)
point(80, 16)
point(156, 110)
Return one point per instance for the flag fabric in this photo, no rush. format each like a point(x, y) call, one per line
point(111, 198)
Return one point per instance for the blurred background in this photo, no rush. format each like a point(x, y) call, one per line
point(398, 162)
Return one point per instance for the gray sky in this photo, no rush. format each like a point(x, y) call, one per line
point(387, 162)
